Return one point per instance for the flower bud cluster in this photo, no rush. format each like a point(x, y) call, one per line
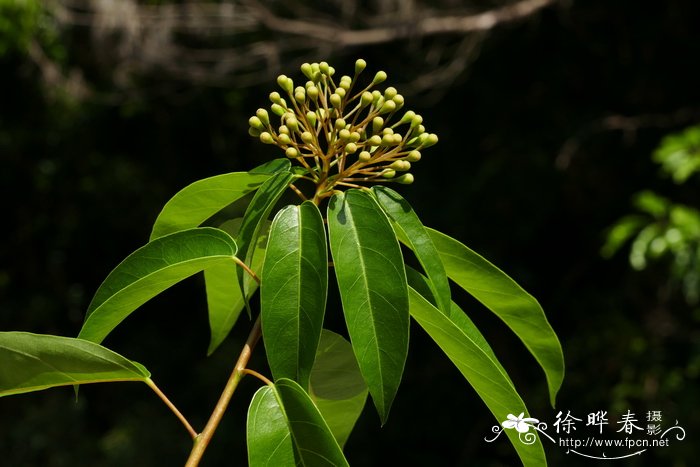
point(340, 134)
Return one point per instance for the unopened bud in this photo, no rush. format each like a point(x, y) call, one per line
point(379, 77)
point(266, 138)
point(255, 122)
point(405, 179)
point(263, 116)
point(360, 65)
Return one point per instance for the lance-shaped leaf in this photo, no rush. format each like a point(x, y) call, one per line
point(337, 387)
point(312, 443)
point(32, 362)
point(416, 236)
point(293, 292)
point(224, 296)
point(255, 216)
point(372, 282)
point(150, 270)
point(505, 298)
point(202, 199)
point(464, 345)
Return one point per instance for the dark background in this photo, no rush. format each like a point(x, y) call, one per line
point(530, 171)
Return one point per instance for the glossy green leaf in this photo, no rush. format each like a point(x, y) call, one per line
point(32, 362)
point(224, 296)
point(293, 291)
point(372, 282)
point(255, 216)
point(418, 239)
point(285, 412)
point(464, 345)
point(337, 386)
point(202, 199)
point(150, 270)
point(505, 298)
point(268, 437)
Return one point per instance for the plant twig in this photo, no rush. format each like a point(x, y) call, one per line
point(172, 407)
point(202, 440)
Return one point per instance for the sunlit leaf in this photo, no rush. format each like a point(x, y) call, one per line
point(337, 386)
point(150, 270)
point(293, 294)
point(464, 345)
point(372, 282)
point(505, 298)
point(415, 234)
point(32, 362)
point(202, 199)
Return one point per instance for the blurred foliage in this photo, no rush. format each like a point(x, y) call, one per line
point(666, 231)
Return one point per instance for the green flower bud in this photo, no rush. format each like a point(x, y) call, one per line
point(365, 156)
point(375, 140)
point(405, 179)
point(366, 98)
point(266, 138)
point(307, 70)
point(388, 106)
point(390, 92)
point(336, 100)
point(324, 68)
point(254, 132)
point(311, 118)
point(354, 137)
point(379, 77)
point(312, 92)
point(407, 117)
point(388, 173)
point(292, 153)
point(263, 116)
point(307, 137)
point(292, 123)
point(413, 156)
point(285, 83)
point(344, 135)
point(278, 110)
point(351, 148)
point(360, 65)
point(377, 124)
point(255, 122)
point(284, 139)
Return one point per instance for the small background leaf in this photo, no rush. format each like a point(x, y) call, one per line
point(32, 362)
point(337, 386)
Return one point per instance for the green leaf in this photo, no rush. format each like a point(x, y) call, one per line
point(337, 387)
point(464, 345)
point(312, 443)
point(224, 296)
point(150, 270)
point(416, 237)
point(255, 216)
point(202, 199)
point(293, 291)
point(268, 437)
point(32, 362)
point(372, 282)
point(504, 297)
